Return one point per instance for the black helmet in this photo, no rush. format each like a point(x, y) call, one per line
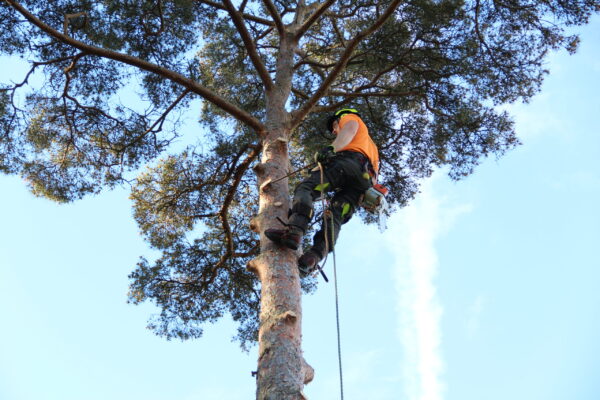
point(337, 115)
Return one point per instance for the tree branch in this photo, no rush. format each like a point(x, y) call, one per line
point(238, 21)
point(68, 18)
point(333, 107)
point(223, 212)
point(299, 115)
point(276, 17)
point(306, 60)
point(188, 83)
point(313, 18)
point(163, 117)
point(482, 38)
point(352, 13)
point(300, 93)
point(34, 66)
point(246, 16)
point(377, 94)
point(337, 32)
point(383, 72)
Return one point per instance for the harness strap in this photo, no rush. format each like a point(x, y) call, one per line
point(361, 158)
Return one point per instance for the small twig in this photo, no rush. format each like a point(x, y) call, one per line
point(162, 118)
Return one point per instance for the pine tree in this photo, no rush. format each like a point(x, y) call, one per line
point(427, 77)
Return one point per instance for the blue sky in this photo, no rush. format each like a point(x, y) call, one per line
point(483, 289)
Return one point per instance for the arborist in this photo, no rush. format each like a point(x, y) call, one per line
point(348, 168)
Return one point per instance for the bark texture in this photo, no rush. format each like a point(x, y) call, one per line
point(282, 371)
point(280, 364)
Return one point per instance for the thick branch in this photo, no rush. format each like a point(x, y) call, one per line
point(238, 21)
point(341, 64)
point(300, 93)
point(313, 18)
point(246, 16)
point(275, 14)
point(193, 86)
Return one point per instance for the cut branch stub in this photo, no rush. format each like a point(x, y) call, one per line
point(265, 186)
point(252, 267)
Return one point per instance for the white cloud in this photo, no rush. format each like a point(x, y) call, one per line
point(412, 235)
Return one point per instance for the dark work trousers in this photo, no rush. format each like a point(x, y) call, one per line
point(346, 175)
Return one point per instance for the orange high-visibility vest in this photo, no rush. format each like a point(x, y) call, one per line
point(362, 142)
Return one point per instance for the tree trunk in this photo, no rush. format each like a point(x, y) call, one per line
point(281, 367)
point(282, 371)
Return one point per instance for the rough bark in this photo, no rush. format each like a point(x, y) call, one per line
point(281, 367)
point(282, 371)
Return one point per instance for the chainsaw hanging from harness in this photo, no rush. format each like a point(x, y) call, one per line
point(374, 198)
point(374, 202)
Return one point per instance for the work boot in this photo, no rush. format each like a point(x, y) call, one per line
point(307, 263)
point(289, 237)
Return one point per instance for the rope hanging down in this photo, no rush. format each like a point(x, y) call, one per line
point(337, 317)
point(337, 307)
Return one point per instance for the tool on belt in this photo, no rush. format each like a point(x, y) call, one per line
point(374, 198)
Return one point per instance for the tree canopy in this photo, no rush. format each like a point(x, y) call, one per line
point(427, 77)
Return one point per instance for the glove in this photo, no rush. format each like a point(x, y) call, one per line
point(325, 154)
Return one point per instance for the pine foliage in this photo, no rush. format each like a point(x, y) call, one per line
point(427, 76)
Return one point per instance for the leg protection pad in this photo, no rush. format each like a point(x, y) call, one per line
point(301, 214)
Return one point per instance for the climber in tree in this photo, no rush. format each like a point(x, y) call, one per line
point(350, 166)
